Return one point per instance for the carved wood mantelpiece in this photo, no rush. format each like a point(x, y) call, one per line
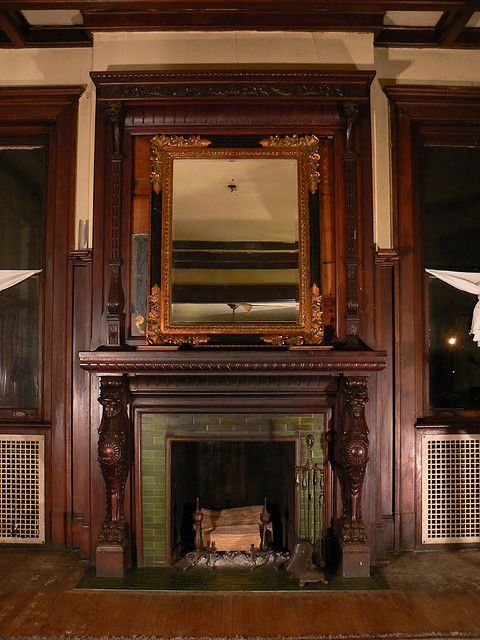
point(232, 362)
point(325, 108)
point(308, 379)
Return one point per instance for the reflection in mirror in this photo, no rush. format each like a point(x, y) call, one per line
point(235, 240)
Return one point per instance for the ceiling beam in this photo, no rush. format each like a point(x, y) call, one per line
point(59, 36)
point(452, 23)
point(469, 39)
point(13, 28)
point(338, 6)
point(417, 37)
point(291, 19)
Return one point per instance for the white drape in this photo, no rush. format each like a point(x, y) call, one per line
point(11, 277)
point(465, 281)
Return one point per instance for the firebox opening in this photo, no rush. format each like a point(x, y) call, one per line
point(227, 474)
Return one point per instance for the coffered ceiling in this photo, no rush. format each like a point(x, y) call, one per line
point(394, 23)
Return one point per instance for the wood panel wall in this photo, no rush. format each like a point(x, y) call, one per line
point(49, 114)
point(417, 112)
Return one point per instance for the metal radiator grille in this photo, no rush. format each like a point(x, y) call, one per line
point(22, 492)
point(450, 488)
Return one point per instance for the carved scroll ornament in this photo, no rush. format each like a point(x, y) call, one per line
point(114, 456)
point(314, 336)
point(310, 143)
point(159, 143)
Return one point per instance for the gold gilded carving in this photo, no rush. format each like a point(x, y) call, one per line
point(159, 143)
point(314, 336)
point(154, 335)
point(310, 143)
point(153, 316)
point(307, 329)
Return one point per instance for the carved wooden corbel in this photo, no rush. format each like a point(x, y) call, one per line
point(352, 458)
point(114, 456)
point(115, 301)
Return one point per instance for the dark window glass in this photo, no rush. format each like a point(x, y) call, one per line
point(22, 171)
point(451, 241)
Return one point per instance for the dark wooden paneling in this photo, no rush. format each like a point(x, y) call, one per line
point(51, 112)
point(416, 110)
point(385, 266)
point(81, 274)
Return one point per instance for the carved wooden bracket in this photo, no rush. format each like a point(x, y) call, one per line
point(352, 458)
point(115, 294)
point(114, 456)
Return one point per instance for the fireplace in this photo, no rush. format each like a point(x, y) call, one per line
point(224, 475)
point(228, 461)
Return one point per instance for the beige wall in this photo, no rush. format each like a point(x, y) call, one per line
point(163, 50)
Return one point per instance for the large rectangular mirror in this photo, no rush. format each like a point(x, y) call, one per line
point(235, 241)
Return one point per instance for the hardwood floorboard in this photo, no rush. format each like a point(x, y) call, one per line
point(237, 614)
point(47, 604)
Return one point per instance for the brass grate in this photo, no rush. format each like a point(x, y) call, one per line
point(22, 489)
point(450, 489)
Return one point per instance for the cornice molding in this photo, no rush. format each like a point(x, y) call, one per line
point(221, 84)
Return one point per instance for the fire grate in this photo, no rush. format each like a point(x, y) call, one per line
point(450, 489)
point(22, 489)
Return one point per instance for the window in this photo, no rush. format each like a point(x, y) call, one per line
point(450, 213)
point(22, 175)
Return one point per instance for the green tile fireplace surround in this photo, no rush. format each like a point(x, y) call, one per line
point(157, 428)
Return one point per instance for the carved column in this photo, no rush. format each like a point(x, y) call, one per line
point(115, 294)
point(352, 458)
point(114, 456)
point(351, 249)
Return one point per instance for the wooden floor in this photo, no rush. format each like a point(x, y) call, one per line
point(37, 598)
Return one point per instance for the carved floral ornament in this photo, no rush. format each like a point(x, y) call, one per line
point(158, 145)
point(309, 142)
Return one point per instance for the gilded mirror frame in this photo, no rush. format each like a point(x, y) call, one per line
point(308, 330)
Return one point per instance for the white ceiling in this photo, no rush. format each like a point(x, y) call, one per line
point(474, 20)
point(412, 18)
point(53, 18)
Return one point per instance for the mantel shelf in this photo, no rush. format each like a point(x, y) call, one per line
point(228, 361)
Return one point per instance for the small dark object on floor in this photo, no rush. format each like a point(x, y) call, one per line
point(301, 565)
point(210, 559)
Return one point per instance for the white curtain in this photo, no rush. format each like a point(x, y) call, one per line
point(465, 281)
point(11, 277)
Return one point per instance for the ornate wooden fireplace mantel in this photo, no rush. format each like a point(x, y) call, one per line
point(280, 379)
point(333, 107)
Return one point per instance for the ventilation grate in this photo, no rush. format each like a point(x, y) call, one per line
point(22, 494)
point(450, 488)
